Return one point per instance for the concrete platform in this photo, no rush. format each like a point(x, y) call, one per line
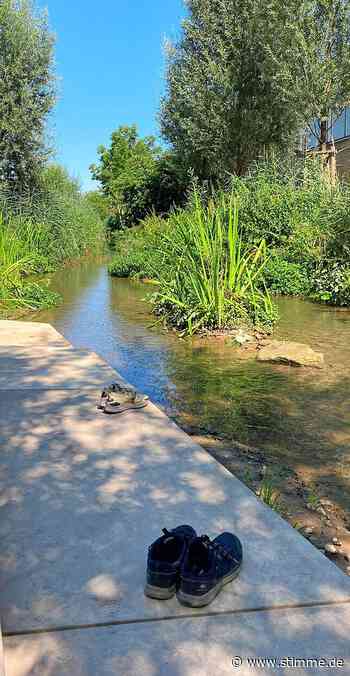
point(192, 647)
point(52, 367)
point(13, 333)
point(83, 494)
point(86, 493)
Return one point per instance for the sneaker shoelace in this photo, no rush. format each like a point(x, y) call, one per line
point(217, 547)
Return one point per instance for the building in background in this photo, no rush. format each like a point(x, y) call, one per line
point(338, 137)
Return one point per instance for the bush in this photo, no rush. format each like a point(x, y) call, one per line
point(331, 284)
point(138, 250)
point(290, 206)
point(207, 277)
point(286, 278)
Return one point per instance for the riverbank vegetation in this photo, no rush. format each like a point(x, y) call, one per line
point(207, 276)
point(39, 231)
point(44, 217)
point(281, 229)
point(243, 81)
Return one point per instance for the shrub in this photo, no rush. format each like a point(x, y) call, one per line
point(137, 251)
point(286, 278)
point(331, 284)
point(290, 206)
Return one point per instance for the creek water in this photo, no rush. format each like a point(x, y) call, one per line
point(300, 417)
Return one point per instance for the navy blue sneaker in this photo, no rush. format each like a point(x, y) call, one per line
point(165, 558)
point(208, 566)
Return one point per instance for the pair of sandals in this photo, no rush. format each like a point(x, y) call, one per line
point(118, 398)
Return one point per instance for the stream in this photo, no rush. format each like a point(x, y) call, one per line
point(300, 417)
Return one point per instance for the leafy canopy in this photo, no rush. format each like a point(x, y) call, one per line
point(220, 108)
point(246, 77)
point(137, 176)
point(310, 59)
point(27, 91)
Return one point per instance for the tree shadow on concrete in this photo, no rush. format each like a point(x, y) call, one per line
point(84, 494)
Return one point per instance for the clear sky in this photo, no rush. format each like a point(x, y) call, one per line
point(110, 61)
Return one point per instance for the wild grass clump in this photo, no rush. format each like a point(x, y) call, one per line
point(40, 231)
point(20, 258)
point(215, 280)
point(208, 277)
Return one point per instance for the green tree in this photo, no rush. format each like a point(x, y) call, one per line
point(248, 76)
point(27, 91)
point(124, 171)
point(310, 60)
point(136, 177)
point(99, 202)
point(220, 109)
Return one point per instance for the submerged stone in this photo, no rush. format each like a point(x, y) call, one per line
point(294, 354)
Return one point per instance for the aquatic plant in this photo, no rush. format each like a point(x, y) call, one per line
point(209, 278)
point(19, 258)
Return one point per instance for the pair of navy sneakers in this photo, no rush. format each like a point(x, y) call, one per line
point(195, 568)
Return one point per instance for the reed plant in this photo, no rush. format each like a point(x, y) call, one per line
point(208, 277)
point(38, 232)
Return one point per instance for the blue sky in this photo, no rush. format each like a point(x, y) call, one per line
point(110, 61)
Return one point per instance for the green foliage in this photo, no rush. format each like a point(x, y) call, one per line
point(125, 171)
point(207, 277)
point(26, 92)
point(59, 209)
point(99, 203)
point(304, 221)
point(136, 177)
point(331, 284)
point(286, 278)
point(270, 495)
point(309, 59)
point(221, 110)
point(20, 256)
point(288, 203)
point(39, 232)
point(130, 264)
point(246, 77)
point(138, 251)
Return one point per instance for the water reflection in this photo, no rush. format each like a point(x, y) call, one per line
point(299, 415)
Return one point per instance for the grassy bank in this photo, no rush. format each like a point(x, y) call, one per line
point(281, 229)
point(208, 277)
point(38, 233)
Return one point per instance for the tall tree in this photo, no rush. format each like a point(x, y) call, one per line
point(125, 172)
point(27, 91)
point(137, 176)
point(310, 60)
point(220, 109)
point(248, 76)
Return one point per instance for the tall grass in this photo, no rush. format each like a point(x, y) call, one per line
point(40, 231)
point(207, 276)
point(212, 280)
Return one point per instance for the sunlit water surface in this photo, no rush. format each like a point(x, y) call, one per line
point(301, 416)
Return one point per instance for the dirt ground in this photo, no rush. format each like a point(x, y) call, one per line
point(323, 523)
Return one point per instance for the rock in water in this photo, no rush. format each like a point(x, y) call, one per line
point(241, 338)
point(294, 354)
point(330, 549)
